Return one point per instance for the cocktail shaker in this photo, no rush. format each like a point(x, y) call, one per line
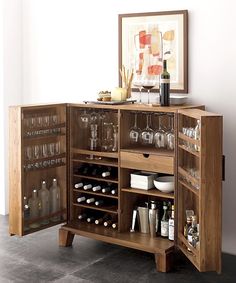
point(153, 218)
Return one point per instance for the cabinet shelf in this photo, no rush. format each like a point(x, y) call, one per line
point(61, 155)
point(109, 209)
point(96, 194)
point(188, 139)
point(45, 168)
point(135, 240)
point(187, 175)
point(43, 137)
point(96, 153)
point(196, 153)
point(45, 217)
point(97, 178)
point(188, 186)
point(104, 161)
point(56, 126)
point(151, 192)
point(149, 150)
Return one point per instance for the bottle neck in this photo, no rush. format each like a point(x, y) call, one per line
point(164, 65)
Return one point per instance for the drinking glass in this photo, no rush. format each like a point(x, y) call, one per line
point(28, 153)
point(159, 135)
point(148, 83)
point(137, 82)
point(107, 137)
point(135, 131)
point(147, 134)
point(57, 148)
point(51, 149)
point(45, 119)
point(44, 150)
point(170, 136)
point(115, 138)
point(36, 151)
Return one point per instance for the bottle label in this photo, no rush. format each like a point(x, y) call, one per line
point(165, 81)
point(171, 229)
point(190, 239)
point(164, 228)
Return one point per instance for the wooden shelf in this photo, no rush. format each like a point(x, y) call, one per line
point(149, 150)
point(191, 188)
point(97, 153)
point(186, 243)
point(109, 209)
point(96, 193)
point(61, 155)
point(187, 175)
point(104, 161)
point(43, 137)
point(135, 240)
point(196, 153)
point(97, 179)
point(56, 126)
point(38, 219)
point(151, 192)
point(45, 168)
point(188, 139)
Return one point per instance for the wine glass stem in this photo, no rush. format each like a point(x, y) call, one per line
point(140, 95)
point(148, 96)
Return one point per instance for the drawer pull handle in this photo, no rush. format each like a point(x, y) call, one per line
point(145, 155)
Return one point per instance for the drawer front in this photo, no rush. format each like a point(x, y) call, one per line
point(147, 162)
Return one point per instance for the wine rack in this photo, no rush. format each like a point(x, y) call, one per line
point(76, 143)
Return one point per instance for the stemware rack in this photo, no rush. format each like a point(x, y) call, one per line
point(197, 173)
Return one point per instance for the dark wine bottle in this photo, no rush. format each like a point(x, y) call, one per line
point(165, 86)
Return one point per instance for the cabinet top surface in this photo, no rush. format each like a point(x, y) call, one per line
point(130, 107)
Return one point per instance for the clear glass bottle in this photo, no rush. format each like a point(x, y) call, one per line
point(197, 133)
point(26, 214)
point(55, 200)
point(44, 198)
point(34, 205)
point(172, 224)
point(165, 222)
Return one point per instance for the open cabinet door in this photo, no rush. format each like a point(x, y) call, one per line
point(199, 186)
point(37, 153)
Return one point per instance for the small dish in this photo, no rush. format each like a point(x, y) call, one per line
point(165, 184)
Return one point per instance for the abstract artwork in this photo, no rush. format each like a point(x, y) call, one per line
point(146, 39)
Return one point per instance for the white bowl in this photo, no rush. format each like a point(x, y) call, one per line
point(165, 184)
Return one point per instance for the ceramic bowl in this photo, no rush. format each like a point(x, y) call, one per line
point(165, 184)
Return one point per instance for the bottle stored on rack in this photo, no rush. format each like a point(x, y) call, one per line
point(55, 200)
point(96, 188)
point(165, 86)
point(90, 200)
point(165, 222)
point(90, 219)
point(106, 172)
point(114, 191)
point(187, 226)
point(87, 186)
point(26, 213)
point(78, 185)
point(100, 221)
point(44, 198)
point(172, 224)
point(82, 216)
point(114, 225)
point(106, 189)
point(99, 202)
point(35, 205)
point(81, 199)
point(192, 232)
point(110, 221)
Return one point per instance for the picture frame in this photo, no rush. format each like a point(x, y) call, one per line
point(145, 39)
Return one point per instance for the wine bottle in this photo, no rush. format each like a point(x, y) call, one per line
point(78, 185)
point(106, 189)
point(82, 216)
point(114, 225)
point(171, 225)
point(87, 186)
point(99, 202)
point(90, 200)
point(44, 198)
point(35, 205)
point(96, 188)
point(81, 199)
point(107, 223)
point(26, 213)
point(164, 222)
point(100, 220)
point(114, 191)
point(106, 172)
point(165, 86)
point(55, 200)
point(90, 219)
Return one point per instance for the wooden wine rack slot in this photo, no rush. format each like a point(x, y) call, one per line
point(188, 139)
point(191, 188)
point(97, 178)
point(109, 209)
point(186, 243)
point(96, 153)
point(187, 175)
point(104, 162)
point(151, 192)
point(196, 153)
point(89, 192)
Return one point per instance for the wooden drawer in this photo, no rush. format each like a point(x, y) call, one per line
point(148, 162)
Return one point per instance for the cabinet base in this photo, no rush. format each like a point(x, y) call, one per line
point(65, 238)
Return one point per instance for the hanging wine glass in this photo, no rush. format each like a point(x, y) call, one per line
point(170, 137)
point(147, 134)
point(160, 136)
point(134, 132)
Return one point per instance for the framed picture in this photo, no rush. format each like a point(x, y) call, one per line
point(146, 39)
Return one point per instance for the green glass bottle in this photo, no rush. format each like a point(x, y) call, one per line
point(165, 86)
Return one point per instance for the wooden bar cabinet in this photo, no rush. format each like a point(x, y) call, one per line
point(200, 192)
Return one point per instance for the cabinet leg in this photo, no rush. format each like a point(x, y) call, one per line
point(65, 238)
point(164, 262)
